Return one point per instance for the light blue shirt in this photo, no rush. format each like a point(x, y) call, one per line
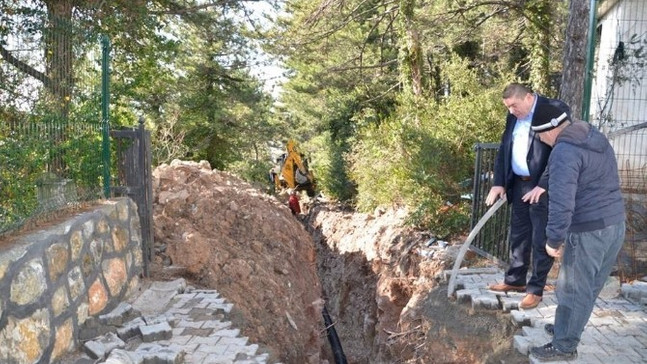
point(521, 143)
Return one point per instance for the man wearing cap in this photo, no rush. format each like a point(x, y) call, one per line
point(586, 223)
point(519, 175)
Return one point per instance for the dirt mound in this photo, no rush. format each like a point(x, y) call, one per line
point(381, 284)
point(377, 277)
point(219, 232)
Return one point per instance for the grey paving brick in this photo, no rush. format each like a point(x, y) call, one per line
point(487, 301)
point(216, 324)
point(120, 356)
point(189, 323)
point(122, 313)
point(226, 333)
point(520, 318)
point(521, 343)
point(160, 331)
point(226, 307)
point(238, 341)
point(180, 339)
point(101, 346)
point(465, 295)
point(201, 340)
point(509, 303)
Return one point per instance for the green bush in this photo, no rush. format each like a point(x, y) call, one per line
point(417, 157)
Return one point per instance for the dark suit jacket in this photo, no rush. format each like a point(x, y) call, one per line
point(537, 153)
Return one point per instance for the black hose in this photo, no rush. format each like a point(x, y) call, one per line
point(335, 344)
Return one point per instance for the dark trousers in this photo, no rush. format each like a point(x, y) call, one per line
point(587, 261)
point(528, 239)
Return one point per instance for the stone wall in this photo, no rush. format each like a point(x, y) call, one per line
point(53, 280)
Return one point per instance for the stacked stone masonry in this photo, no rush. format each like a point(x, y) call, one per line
point(54, 280)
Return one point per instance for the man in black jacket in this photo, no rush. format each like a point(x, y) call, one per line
point(586, 223)
point(519, 174)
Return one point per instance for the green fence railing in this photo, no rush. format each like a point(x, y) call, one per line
point(54, 121)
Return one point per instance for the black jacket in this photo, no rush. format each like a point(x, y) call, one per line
point(585, 187)
point(537, 157)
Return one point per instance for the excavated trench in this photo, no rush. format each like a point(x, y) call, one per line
point(386, 303)
point(377, 282)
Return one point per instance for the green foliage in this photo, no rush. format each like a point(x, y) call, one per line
point(255, 172)
point(420, 164)
point(330, 168)
point(21, 160)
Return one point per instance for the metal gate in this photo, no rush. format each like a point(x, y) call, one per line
point(492, 241)
point(133, 151)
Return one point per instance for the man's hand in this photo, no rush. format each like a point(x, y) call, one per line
point(495, 193)
point(534, 195)
point(555, 253)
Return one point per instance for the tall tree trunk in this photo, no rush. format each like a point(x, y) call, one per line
point(411, 58)
point(59, 56)
point(574, 61)
point(540, 20)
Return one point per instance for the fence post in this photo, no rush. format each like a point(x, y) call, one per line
point(105, 113)
point(590, 54)
point(146, 195)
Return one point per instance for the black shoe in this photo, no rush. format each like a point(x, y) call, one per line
point(549, 329)
point(550, 353)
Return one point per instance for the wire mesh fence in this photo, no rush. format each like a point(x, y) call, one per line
point(51, 131)
point(619, 109)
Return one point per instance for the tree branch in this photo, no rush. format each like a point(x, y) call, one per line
point(24, 67)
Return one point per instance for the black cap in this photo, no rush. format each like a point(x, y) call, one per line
point(547, 117)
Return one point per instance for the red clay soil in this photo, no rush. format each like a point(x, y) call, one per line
point(382, 293)
point(224, 234)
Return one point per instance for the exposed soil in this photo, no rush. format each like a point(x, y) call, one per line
point(377, 278)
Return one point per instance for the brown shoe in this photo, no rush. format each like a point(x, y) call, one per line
point(502, 287)
point(530, 301)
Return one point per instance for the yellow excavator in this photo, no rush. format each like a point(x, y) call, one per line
point(292, 171)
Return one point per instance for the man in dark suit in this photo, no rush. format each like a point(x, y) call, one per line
point(520, 175)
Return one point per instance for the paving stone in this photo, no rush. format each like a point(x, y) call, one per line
point(218, 348)
point(189, 323)
point(226, 307)
point(150, 333)
point(520, 318)
point(509, 303)
point(130, 329)
point(521, 343)
point(226, 332)
point(120, 356)
point(465, 295)
point(100, 347)
point(197, 332)
point(237, 341)
point(159, 354)
point(486, 301)
point(591, 358)
point(216, 324)
point(122, 313)
point(157, 297)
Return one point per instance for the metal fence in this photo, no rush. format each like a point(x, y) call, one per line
point(53, 121)
point(619, 109)
point(492, 241)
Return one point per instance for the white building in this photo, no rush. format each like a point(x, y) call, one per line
point(619, 93)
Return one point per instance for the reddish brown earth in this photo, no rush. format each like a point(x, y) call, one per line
point(384, 296)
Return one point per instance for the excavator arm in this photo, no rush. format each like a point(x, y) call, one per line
point(294, 172)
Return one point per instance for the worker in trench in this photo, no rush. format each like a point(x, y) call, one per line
point(294, 204)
